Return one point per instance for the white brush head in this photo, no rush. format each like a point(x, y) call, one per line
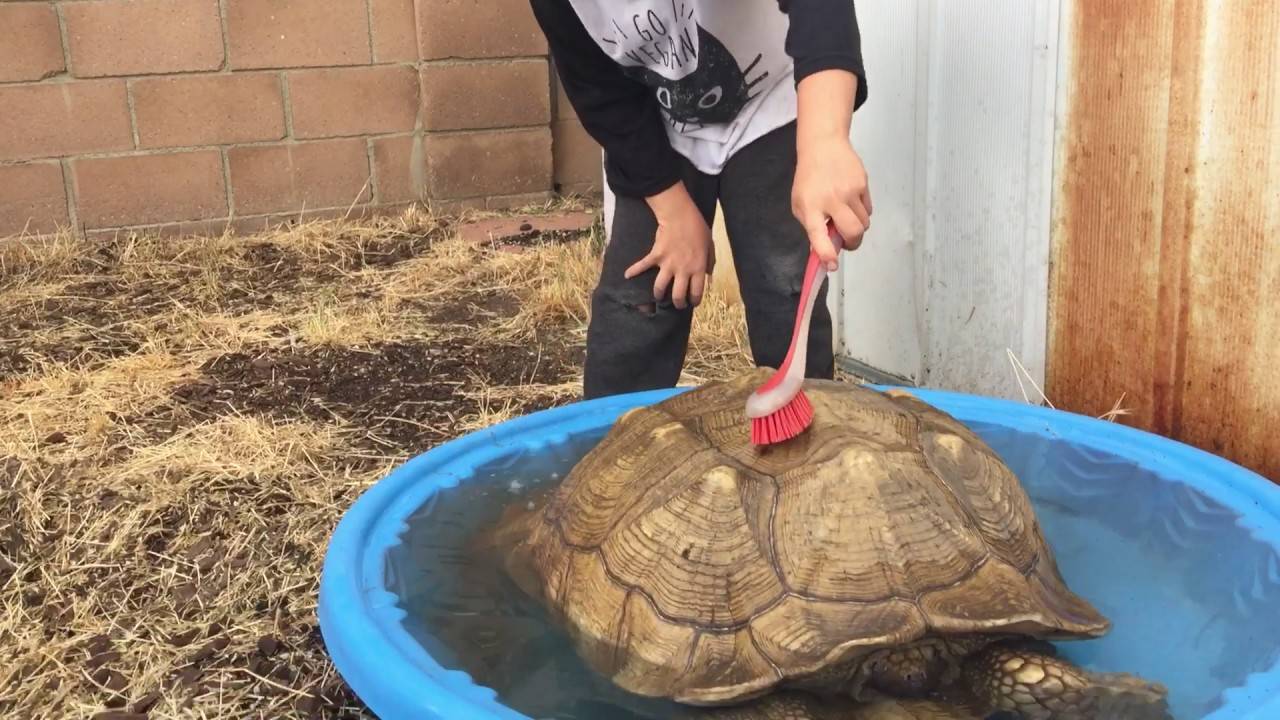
point(761, 404)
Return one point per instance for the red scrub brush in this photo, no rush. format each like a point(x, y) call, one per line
point(779, 409)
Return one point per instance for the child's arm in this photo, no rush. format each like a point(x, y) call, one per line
point(623, 116)
point(830, 181)
point(617, 111)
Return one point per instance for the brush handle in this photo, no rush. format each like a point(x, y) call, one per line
point(786, 382)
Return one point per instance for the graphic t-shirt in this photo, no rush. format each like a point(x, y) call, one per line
point(718, 68)
point(701, 78)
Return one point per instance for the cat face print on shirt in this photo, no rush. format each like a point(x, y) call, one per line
point(714, 92)
point(695, 77)
point(718, 70)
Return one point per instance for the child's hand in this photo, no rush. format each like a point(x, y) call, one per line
point(682, 251)
point(831, 183)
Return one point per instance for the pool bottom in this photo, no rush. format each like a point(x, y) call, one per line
point(1189, 589)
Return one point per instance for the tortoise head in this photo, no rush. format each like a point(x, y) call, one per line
point(909, 672)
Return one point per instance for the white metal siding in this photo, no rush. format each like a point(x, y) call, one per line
point(979, 158)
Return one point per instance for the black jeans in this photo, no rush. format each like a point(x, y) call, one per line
point(635, 345)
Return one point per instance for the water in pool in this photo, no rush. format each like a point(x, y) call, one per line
point(1192, 595)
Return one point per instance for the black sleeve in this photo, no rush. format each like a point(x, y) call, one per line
point(824, 36)
point(618, 112)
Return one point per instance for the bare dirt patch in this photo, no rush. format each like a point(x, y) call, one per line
point(405, 396)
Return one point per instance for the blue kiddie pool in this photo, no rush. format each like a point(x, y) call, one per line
point(1180, 549)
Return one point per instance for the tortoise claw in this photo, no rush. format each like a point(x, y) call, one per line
point(1124, 697)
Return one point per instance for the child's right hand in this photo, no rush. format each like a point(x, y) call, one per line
point(683, 250)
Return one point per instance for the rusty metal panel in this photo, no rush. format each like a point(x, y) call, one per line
point(1166, 259)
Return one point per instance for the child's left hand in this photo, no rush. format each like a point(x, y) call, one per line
point(830, 182)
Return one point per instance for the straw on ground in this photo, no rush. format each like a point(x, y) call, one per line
point(182, 423)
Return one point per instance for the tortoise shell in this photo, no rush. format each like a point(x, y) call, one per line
point(687, 563)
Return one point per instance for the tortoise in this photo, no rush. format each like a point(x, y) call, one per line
point(884, 564)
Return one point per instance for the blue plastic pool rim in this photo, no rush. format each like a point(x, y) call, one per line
point(396, 678)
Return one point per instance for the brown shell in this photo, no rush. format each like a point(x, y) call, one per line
point(687, 563)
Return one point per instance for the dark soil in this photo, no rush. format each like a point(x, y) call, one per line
point(534, 237)
point(86, 322)
point(385, 251)
point(409, 395)
point(471, 308)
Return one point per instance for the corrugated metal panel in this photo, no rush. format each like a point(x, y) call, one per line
point(1167, 222)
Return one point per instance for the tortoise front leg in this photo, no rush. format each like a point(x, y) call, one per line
point(1035, 686)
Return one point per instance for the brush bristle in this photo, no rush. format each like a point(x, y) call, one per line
point(789, 421)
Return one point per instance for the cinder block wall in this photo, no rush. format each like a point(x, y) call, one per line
point(190, 115)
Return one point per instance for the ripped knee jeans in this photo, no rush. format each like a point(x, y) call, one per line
point(635, 343)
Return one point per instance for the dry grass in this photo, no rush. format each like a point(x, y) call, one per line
point(1024, 378)
point(160, 546)
point(556, 283)
point(209, 535)
point(718, 343)
point(133, 543)
point(76, 405)
point(196, 334)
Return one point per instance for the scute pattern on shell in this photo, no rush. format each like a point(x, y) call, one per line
point(688, 563)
